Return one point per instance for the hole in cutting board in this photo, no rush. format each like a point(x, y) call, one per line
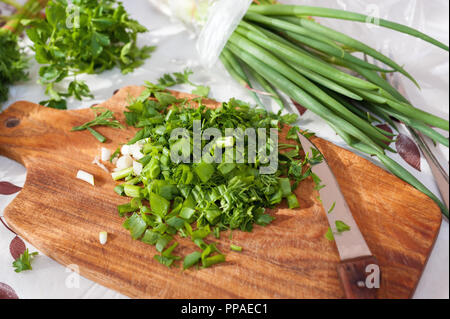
point(12, 122)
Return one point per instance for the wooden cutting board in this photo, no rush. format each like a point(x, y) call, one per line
point(62, 217)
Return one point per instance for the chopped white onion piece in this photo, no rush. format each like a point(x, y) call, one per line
point(105, 154)
point(133, 148)
point(137, 168)
point(138, 155)
point(103, 237)
point(124, 162)
point(142, 142)
point(97, 162)
point(89, 178)
point(114, 160)
point(125, 149)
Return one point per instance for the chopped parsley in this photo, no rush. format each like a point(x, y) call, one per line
point(340, 228)
point(83, 37)
point(198, 199)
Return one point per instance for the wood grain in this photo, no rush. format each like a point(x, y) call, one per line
point(291, 258)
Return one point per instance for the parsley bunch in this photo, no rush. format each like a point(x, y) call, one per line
point(198, 199)
point(89, 37)
point(13, 63)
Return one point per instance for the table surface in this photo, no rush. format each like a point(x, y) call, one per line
point(176, 51)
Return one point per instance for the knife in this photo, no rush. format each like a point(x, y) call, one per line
point(439, 173)
point(358, 269)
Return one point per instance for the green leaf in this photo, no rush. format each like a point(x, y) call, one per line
point(201, 233)
point(23, 262)
point(103, 23)
point(150, 237)
point(191, 259)
point(235, 248)
point(187, 213)
point(98, 41)
point(226, 168)
point(162, 242)
point(212, 215)
point(329, 234)
point(204, 171)
point(97, 135)
point(105, 118)
point(332, 208)
point(176, 222)
point(285, 186)
point(159, 204)
point(341, 226)
point(79, 89)
point(124, 53)
point(42, 55)
point(125, 208)
point(165, 99)
point(49, 73)
point(264, 219)
point(136, 225)
point(55, 104)
point(292, 201)
point(201, 90)
point(208, 262)
point(55, 14)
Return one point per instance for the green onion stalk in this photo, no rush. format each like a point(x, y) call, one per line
point(13, 63)
point(284, 49)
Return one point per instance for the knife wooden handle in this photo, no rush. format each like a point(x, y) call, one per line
point(358, 276)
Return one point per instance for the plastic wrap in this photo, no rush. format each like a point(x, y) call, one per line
point(212, 20)
point(223, 18)
point(192, 13)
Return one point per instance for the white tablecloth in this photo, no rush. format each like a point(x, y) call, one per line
point(176, 50)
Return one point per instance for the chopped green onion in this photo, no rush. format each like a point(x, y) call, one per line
point(122, 174)
point(97, 135)
point(132, 190)
point(235, 248)
point(292, 201)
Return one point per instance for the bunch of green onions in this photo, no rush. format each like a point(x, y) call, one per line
point(284, 50)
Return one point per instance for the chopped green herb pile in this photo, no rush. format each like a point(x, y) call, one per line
point(105, 118)
point(24, 261)
point(84, 36)
point(196, 199)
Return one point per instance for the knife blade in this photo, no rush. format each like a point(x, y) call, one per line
point(353, 250)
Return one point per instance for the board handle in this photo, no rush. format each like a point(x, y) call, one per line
point(360, 277)
point(22, 127)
